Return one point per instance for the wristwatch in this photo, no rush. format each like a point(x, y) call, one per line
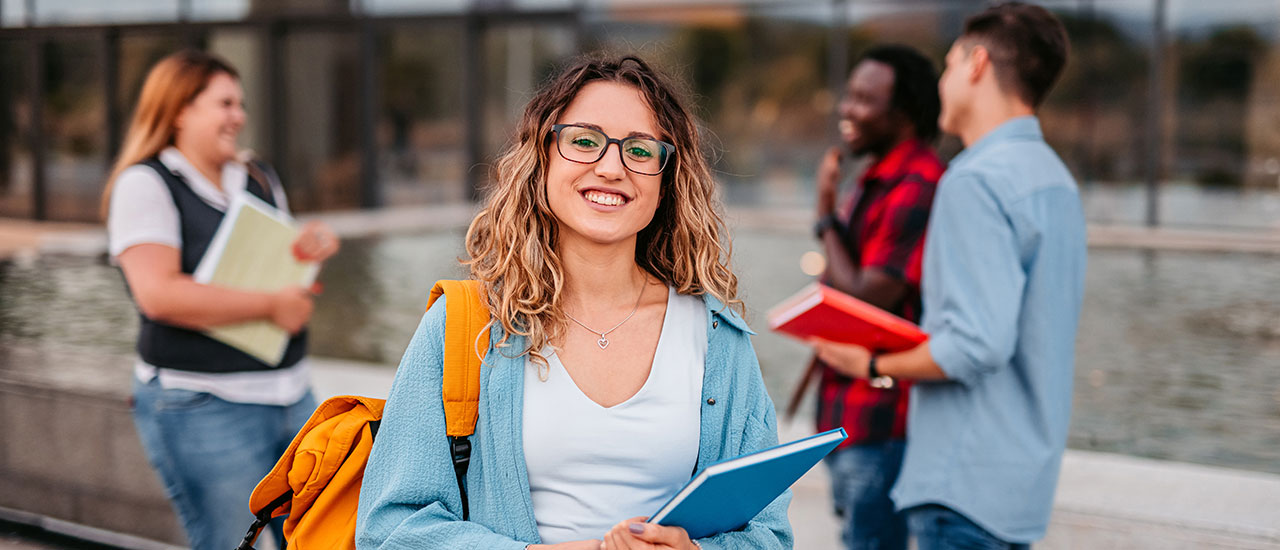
point(824, 223)
point(876, 379)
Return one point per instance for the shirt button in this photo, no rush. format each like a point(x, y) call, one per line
point(715, 323)
point(711, 401)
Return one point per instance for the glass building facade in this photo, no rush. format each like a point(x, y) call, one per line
point(1169, 111)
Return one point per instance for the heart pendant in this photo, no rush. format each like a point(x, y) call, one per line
point(602, 342)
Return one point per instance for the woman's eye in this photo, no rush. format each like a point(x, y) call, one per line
point(640, 151)
point(583, 142)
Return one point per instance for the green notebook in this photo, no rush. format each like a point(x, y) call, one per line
point(251, 251)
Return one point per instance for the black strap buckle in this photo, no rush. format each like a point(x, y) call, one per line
point(261, 519)
point(461, 451)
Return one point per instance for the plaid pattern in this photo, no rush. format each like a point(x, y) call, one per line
point(886, 221)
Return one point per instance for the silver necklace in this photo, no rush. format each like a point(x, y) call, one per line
point(603, 342)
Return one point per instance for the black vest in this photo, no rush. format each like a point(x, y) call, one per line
point(171, 347)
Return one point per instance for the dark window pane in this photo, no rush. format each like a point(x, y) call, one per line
point(15, 130)
point(297, 7)
point(74, 123)
point(139, 51)
point(420, 125)
point(518, 57)
point(321, 160)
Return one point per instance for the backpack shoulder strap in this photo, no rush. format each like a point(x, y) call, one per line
point(466, 340)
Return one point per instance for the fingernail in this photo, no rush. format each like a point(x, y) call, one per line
point(636, 528)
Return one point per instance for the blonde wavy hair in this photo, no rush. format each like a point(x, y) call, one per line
point(512, 243)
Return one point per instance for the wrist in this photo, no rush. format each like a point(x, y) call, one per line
point(877, 378)
point(824, 224)
point(270, 306)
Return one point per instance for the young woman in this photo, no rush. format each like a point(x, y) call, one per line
point(212, 419)
point(615, 369)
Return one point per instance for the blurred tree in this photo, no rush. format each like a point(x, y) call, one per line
point(1094, 113)
point(1215, 75)
point(715, 54)
point(1222, 65)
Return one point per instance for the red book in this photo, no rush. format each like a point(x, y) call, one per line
point(821, 311)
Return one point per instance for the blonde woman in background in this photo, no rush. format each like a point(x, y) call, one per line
point(617, 366)
point(213, 420)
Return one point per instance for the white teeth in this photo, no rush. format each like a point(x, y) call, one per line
point(605, 199)
point(846, 128)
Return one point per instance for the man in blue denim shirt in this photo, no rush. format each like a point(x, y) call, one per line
point(1003, 280)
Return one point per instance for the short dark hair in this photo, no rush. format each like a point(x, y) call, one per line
point(915, 86)
point(1027, 44)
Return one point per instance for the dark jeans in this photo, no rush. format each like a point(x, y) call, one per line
point(940, 528)
point(861, 476)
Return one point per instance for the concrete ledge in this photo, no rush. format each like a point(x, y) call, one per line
point(1114, 501)
point(1112, 236)
point(73, 457)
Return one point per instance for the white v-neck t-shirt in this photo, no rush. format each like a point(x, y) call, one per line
point(590, 466)
point(143, 212)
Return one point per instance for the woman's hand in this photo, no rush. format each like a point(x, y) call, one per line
point(291, 308)
point(636, 534)
point(850, 360)
point(315, 243)
point(575, 545)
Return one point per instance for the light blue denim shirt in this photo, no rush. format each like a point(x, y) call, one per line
point(1004, 268)
point(410, 496)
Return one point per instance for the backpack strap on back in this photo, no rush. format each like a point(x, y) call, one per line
point(466, 341)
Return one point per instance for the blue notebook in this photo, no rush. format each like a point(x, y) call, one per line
point(727, 494)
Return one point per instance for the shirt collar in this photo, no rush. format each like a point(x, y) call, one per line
point(717, 308)
point(234, 178)
point(1014, 129)
point(891, 164)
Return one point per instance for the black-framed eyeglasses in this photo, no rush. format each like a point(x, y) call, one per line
point(586, 145)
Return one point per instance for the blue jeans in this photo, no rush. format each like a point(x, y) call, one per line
point(940, 528)
point(861, 476)
point(211, 453)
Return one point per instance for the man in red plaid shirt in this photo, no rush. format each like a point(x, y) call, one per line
point(874, 245)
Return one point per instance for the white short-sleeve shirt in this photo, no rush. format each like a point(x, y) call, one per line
point(142, 211)
point(590, 466)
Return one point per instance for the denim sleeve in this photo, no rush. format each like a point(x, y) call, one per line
point(973, 282)
point(770, 529)
point(410, 495)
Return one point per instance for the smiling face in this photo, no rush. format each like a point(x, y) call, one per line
point(209, 126)
point(867, 121)
point(603, 202)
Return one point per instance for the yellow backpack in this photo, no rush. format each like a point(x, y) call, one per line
point(317, 481)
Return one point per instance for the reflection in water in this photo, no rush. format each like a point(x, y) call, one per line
point(1177, 355)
